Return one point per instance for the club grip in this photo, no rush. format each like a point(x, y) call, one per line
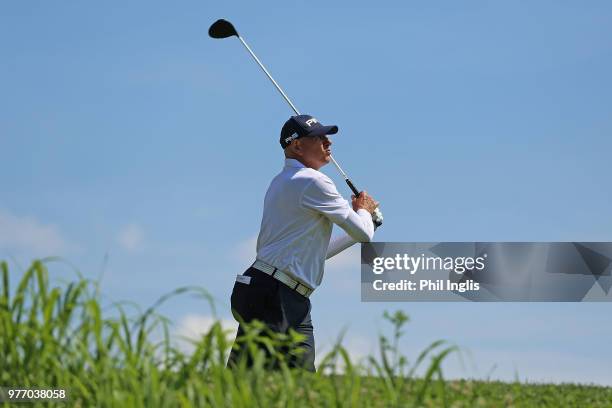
point(352, 187)
point(377, 217)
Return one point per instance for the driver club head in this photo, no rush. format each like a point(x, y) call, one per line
point(222, 29)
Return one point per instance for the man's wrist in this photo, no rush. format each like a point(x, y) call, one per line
point(363, 211)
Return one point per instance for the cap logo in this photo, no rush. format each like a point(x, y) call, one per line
point(291, 138)
point(311, 122)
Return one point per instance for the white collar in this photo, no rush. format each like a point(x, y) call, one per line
point(294, 163)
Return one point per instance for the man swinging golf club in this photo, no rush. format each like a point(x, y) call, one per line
point(294, 240)
point(300, 206)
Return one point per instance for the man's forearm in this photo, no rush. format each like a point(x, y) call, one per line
point(358, 227)
point(339, 244)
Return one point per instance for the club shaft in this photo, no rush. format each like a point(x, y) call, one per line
point(348, 181)
point(284, 95)
point(268, 75)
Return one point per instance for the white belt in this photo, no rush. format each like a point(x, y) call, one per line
point(283, 277)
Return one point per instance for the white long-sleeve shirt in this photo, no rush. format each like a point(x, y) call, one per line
point(300, 207)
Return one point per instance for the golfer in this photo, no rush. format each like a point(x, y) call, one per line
point(294, 240)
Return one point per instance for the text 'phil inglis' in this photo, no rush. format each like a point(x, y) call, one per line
point(441, 284)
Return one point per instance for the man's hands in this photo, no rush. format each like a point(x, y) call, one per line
point(364, 201)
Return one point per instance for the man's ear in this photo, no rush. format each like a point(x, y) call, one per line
point(290, 151)
point(297, 147)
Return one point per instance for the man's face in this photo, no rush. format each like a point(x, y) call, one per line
point(315, 151)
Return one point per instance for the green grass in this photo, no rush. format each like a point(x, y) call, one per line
point(60, 337)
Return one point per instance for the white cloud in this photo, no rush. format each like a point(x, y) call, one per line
point(28, 236)
point(131, 237)
point(193, 326)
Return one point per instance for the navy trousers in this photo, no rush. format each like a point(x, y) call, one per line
point(279, 307)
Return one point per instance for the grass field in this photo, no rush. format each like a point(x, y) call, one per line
point(57, 337)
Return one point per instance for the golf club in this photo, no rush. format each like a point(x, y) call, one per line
point(224, 29)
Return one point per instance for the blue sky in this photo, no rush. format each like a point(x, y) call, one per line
point(128, 135)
